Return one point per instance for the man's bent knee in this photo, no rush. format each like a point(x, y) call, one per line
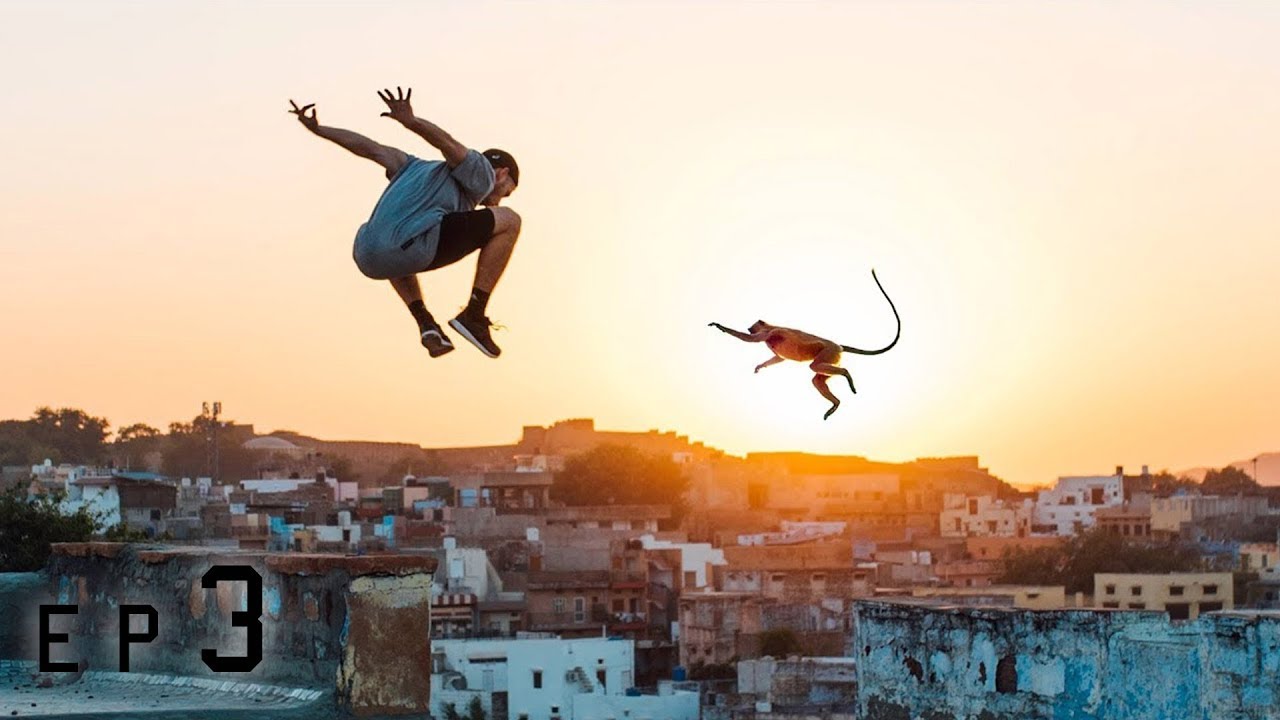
point(505, 220)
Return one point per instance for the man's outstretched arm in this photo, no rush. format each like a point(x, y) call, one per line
point(388, 157)
point(401, 111)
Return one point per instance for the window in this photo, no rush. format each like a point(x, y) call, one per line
point(1178, 611)
point(1096, 496)
point(600, 678)
point(537, 679)
point(1110, 589)
point(1175, 590)
point(1136, 590)
point(1137, 606)
point(617, 605)
point(1210, 607)
point(819, 577)
point(557, 606)
point(1210, 589)
point(1111, 605)
point(778, 577)
point(579, 609)
point(973, 506)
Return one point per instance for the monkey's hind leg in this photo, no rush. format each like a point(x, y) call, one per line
point(831, 369)
point(771, 361)
point(820, 382)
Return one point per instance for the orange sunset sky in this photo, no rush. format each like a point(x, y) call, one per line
point(1073, 205)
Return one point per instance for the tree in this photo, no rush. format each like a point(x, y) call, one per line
point(133, 443)
point(475, 709)
point(136, 431)
point(76, 435)
point(621, 475)
point(1074, 563)
point(17, 446)
point(187, 446)
point(1165, 483)
point(1229, 481)
point(451, 712)
point(341, 467)
point(29, 526)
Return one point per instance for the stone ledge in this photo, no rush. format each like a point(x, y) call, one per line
point(283, 563)
point(354, 565)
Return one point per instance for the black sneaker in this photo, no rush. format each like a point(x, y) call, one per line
point(435, 341)
point(476, 329)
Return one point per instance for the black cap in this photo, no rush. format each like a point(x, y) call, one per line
point(502, 159)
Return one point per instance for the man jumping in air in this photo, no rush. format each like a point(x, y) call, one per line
point(426, 218)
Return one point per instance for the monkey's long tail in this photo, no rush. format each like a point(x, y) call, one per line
point(897, 335)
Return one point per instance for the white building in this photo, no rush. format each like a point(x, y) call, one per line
point(1070, 506)
point(696, 560)
point(99, 494)
point(984, 516)
point(549, 679)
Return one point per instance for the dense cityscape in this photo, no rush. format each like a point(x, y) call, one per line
point(587, 574)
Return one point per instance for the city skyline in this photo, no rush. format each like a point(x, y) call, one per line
point(1262, 466)
point(1070, 206)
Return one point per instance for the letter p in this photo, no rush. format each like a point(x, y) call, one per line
point(128, 637)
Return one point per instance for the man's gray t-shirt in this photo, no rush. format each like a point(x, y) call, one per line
point(411, 208)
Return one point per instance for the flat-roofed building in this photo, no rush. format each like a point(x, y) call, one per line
point(1182, 595)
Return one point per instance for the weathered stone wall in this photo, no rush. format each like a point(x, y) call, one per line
point(356, 627)
point(996, 663)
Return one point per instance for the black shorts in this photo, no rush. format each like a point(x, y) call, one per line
point(462, 233)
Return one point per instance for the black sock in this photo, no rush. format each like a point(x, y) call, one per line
point(479, 299)
point(420, 314)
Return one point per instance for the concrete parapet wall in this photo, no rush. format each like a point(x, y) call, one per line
point(354, 627)
point(915, 661)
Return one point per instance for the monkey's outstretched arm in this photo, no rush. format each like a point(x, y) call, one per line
point(745, 337)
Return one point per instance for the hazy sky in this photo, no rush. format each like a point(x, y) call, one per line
point(1073, 205)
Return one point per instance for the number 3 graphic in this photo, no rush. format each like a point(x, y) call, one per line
point(249, 619)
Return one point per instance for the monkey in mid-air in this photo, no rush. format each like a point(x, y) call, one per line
point(822, 355)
